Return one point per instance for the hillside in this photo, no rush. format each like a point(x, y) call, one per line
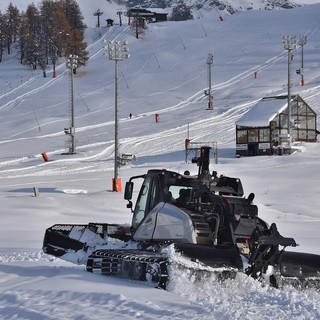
point(165, 74)
point(167, 62)
point(110, 8)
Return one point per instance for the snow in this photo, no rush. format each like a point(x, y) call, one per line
point(263, 112)
point(165, 74)
point(305, 2)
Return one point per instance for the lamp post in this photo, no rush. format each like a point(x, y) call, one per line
point(208, 91)
point(72, 64)
point(302, 42)
point(117, 51)
point(289, 44)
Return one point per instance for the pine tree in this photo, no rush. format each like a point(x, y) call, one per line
point(6, 35)
point(13, 22)
point(75, 42)
point(55, 29)
point(2, 35)
point(60, 30)
point(73, 14)
point(33, 49)
point(77, 46)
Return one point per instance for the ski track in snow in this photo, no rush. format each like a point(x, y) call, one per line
point(202, 130)
point(243, 299)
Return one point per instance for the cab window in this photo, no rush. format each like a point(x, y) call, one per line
point(147, 199)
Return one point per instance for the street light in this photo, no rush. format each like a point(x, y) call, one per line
point(289, 43)
point(117, 51)
point(302, 42)
point(72, 64)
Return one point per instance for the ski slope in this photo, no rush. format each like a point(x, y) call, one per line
point(165, 74)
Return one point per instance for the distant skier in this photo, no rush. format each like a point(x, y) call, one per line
point(130, 115)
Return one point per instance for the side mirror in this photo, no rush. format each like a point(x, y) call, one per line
point(128, 190)
point(129, 205)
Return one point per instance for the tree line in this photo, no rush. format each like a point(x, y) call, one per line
point(44, 34)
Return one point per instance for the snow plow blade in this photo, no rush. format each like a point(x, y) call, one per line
point(60, 239)
point(298, 264)
point(301, 270)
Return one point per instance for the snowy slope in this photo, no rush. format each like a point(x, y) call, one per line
point(109, 8)
point(165, 74)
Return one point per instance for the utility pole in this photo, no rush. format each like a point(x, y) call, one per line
point(119, 13)
point(302, 42)
point(117, 51)
point(207, 92)
point(289, 43)
point(98, 13)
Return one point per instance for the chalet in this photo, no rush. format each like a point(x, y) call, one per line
point(265, 126)
point(150, 14)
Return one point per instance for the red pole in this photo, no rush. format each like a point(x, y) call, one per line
point(116, 185)
point(45, 156)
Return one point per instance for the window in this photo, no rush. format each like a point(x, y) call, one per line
point(310, 112)
point(311, 124)
point(253, 135)
point(299, 122)
point(181, 195)
point(264, 135)
point(302, 109)
point(154, 194)
point(283, 121)
point(242, 136)
point(311, 135)
point(273, 124)
point(147, 199)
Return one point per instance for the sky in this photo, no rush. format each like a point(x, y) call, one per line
point(166, 74)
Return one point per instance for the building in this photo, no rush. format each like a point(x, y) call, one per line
point(110, 22)
point(264, 127)
point(150, 14)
